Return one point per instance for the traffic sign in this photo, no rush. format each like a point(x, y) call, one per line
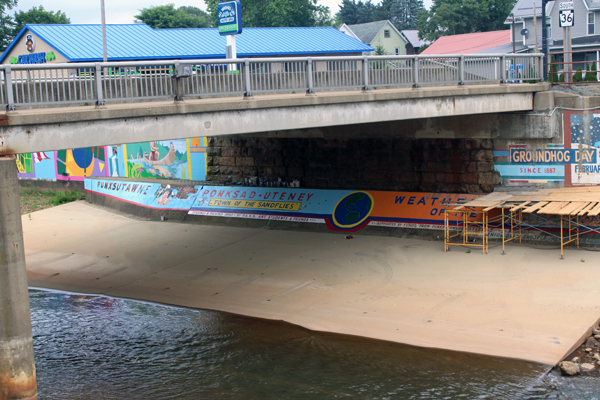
point(565, 5)
point(566, 18)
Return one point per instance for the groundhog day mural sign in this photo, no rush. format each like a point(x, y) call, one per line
point(576, 162)
point(343, 210)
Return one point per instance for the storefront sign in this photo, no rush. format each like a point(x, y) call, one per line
point(230, 18)
point(36, 58)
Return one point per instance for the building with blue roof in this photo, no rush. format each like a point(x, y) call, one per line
point(73, 43)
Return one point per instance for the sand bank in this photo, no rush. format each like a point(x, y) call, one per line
point(526, 304)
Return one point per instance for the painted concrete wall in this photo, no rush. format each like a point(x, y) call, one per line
point(135, 160)
point(340, 210)
point(570, 159)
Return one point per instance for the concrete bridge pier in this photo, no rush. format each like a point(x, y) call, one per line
point(17, 365)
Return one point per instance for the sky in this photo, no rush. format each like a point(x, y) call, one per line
point(122, 11)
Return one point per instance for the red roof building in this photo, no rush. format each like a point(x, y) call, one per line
point(469, 43)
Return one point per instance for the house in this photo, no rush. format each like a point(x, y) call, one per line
point(414, 43)
point(378, 34)
point(72, 43)
point(584, 35)
point(472, 43)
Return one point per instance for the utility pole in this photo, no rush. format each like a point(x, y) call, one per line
point(544, 39)
point(537, 49)
point(512, 18)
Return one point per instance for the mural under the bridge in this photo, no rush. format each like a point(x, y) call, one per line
point(342, 210)
point(576, 162)
point(176, 159)
point(158, 159)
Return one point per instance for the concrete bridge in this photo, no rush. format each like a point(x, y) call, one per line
point(55, 107)
point(341, 91)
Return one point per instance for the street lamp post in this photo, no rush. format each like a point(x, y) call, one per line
point(103, 31)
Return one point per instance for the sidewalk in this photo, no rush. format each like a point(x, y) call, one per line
point(527, 304)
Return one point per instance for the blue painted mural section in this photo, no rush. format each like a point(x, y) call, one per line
point(151, 195)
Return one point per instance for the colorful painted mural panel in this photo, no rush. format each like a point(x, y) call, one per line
point(25, 165)
point(157, 159)
point(340, 210)
point(149, 195)
point(175, 159)
point(76, 164)
point(576, 162)
point(582, 133)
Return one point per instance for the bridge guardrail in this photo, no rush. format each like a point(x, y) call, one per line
point(42, 85)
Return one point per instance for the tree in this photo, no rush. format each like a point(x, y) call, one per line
point(278, 13)
point(37, 15)
point(358, 12)
point(402, 13)
point(6, 23)
point(591, 75)
point(168, 17)
point(453, 17)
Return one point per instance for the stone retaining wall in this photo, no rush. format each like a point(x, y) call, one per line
point(423, 165)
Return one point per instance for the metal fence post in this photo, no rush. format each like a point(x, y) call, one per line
point(366, 72)
point(248, 84)
point(461, 69)
point(309, 76)
point(175, 78)
point(99, 91)
point(503, 69)
point(10, 101)
point(416, 72)
point(541, 67)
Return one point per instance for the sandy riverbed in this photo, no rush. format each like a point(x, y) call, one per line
point(526, 304)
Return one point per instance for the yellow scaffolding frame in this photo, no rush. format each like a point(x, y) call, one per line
point(463, 213)
point(570, 204)
point(570, 230)
point(515, 215)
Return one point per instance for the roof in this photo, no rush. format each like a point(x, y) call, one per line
point(524, 8)
point(468, 43)
point(366, 33)
point(413, 37)
point(138, 42)
point(584, 41)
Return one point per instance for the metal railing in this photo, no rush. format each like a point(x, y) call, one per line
point(572, 71)
point(26, 86)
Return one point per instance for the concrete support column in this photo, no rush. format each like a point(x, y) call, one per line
point(17, 365)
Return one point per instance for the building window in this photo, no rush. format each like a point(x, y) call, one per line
point(397, 51)
point(386, 34)
point(591, 23)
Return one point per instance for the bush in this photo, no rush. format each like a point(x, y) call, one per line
point(66, 197)
point(553, 75)
point(561, 78)
point(591, 75)
point(578, 77)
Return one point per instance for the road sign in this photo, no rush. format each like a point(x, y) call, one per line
point(566, 18)
point(565, 5)
point(230, 18)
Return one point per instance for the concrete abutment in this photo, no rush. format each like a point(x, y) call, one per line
point(17, 364)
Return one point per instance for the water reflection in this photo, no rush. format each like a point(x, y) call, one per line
point(93, 347)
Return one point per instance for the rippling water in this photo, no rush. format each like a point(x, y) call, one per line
point(94, 347)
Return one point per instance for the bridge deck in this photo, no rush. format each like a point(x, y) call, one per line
point(37, 129)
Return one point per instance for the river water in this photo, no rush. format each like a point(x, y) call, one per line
point(95, 347)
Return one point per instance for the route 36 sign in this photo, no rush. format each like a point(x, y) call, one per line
point(566, 18)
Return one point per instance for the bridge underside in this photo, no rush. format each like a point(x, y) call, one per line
point(75, 127)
